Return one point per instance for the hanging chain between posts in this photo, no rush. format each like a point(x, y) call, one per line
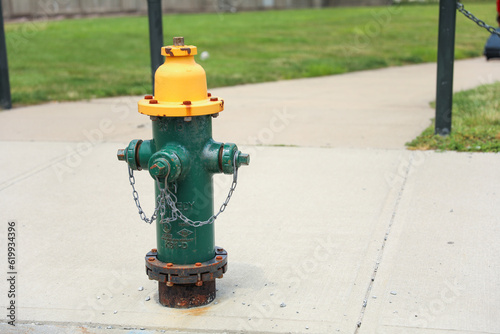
point(479, 22)
point(167, 198)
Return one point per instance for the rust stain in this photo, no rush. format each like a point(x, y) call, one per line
point(169, 51)
point(197, 311)
point(188, 107)
point(84, 330)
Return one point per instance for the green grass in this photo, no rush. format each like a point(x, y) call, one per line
point(475, 123)
point(98, 57)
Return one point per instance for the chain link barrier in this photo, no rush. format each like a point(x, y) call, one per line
point(479, 22)
point(167, 198)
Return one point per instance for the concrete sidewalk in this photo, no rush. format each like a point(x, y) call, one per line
point(343, 227)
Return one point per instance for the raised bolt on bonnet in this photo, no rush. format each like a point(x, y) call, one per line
point(182, 158)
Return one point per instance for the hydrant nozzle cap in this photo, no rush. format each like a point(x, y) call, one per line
point(121, 155)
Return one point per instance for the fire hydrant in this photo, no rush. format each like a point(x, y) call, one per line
point(182, 158)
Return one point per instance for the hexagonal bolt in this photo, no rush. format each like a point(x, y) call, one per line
point(178, 41)
point(243, 159)
point(121, 155)
point(160, 168)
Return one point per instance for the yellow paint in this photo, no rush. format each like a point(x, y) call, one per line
point(180, 87)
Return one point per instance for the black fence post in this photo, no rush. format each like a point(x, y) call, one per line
point(155, 36)
point(445, 59)
point(5, 98)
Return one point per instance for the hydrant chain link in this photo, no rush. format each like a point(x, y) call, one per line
point(167, 197)
point(135, 195)
point(177, 214)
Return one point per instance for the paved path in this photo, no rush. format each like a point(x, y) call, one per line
point(345, 227)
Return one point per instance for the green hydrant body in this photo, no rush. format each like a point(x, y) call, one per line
point(182, 158)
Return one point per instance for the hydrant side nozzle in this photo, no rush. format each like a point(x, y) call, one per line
point(230, 155)
point(137, 153)
point(144, 153)
point(211, 156)
point(227, 157)
point(129, 154)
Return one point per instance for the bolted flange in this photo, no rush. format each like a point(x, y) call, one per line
point(186, 273)
point(188, 285)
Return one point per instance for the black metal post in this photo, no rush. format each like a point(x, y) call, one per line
point(5, 99)
point(155, 36)
point(445, 59)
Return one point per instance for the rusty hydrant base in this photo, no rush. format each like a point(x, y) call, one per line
point(186, 286)
point(186, 295)
point(171, 273)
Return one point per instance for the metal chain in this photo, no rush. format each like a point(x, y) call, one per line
point(135, 195)
point(167, 197)
point(479, 22)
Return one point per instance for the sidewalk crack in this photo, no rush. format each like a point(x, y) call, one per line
point(382, 247)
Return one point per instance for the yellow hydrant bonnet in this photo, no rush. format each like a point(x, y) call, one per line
point(180, 86)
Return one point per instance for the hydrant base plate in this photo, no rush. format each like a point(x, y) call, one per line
point(189, 273)
point(186, 286)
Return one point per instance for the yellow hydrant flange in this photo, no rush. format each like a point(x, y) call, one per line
point(180, 86)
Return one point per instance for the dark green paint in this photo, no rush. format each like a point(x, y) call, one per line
point(5, 97)
point(155, 36)
point(446, 57)
point(192, 157)
point(177, 242)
